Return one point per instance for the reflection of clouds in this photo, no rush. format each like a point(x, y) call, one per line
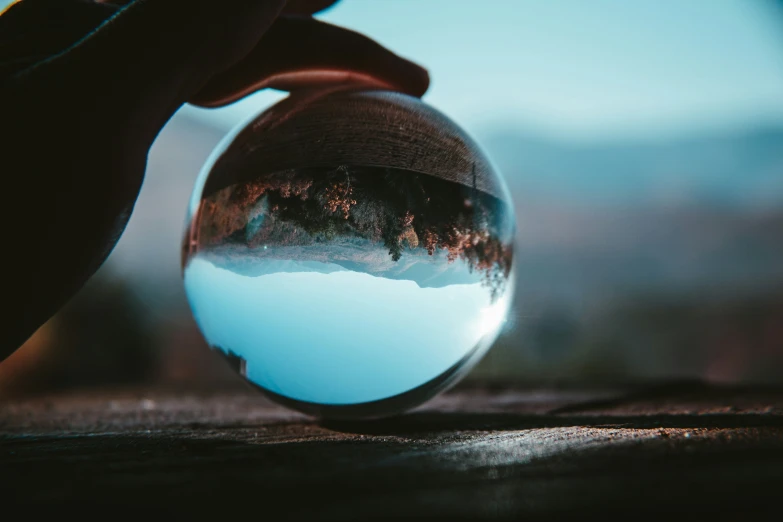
point(340, 337)
point(355, 254)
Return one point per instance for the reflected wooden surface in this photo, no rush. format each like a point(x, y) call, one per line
point(500, 453)
point(365, 128)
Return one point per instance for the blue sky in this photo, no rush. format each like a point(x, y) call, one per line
point(577, 69)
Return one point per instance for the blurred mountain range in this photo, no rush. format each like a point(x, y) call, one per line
point(740, 170)
point(662, 217)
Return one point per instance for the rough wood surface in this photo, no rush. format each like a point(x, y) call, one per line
point(684, 450)
point(354, 128)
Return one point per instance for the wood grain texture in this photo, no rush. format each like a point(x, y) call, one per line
point(360, 128)
point(675, 451)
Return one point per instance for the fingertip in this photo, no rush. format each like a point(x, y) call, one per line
point(418, 80)
point(307, 7)
point(401, 74)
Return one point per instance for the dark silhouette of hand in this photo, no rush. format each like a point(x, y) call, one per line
point(86, 86)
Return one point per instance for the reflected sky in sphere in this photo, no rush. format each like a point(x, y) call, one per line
point(339, 337)
point(350, 248)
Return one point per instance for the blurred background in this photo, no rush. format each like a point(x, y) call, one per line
point(642, 143)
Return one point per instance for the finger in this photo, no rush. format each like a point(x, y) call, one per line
point(302, 52)
point(307, 7)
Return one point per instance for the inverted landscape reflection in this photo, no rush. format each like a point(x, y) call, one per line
point(346, 285)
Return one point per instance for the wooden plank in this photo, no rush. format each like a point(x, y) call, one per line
point(475, 452)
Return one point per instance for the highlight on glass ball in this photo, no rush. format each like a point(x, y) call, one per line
point(350, 252)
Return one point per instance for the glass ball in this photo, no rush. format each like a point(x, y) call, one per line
point(349, 252)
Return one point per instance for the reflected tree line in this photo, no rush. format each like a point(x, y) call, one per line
point(399, 209)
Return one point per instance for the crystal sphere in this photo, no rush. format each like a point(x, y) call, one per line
point(349, 252)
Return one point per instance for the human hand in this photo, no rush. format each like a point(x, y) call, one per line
point(85, 88)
